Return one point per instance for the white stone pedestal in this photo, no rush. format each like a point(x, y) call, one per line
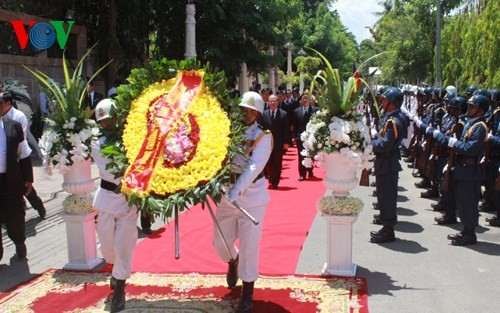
point(82, 248)
point(339, 245)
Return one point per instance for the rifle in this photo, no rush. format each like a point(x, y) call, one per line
point(365, 174)
point(445, 185)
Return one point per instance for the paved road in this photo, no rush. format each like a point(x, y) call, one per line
point(419, 273)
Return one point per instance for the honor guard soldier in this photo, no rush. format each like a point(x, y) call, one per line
point(492, 155)
point(117, 220)
point(248, 190)
point(387, 166)
point(494, 143)
point(467, 172)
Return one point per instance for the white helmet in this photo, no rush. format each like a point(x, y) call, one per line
point(103, 109)
point(451, 89)
point(252, 100)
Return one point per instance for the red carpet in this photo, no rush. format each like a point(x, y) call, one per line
point(66, 291)
point(288, 219)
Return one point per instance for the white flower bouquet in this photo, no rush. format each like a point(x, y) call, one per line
point(70, 128)
point(338, 126)
point(332, 205)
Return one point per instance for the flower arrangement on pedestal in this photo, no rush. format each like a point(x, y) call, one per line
point(339, 206)
point(337, 127)
point(70, 129)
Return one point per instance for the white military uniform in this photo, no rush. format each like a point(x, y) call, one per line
point(117, 221)
point(253, 197)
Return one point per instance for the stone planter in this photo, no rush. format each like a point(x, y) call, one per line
point(80, 217)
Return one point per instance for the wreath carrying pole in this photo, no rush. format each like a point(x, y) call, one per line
point(177, 249)
point(219, 230)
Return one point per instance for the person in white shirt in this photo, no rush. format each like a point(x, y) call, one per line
point(18, 116)
point(117, 220)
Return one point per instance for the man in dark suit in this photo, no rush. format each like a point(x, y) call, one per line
point(92, 98)
point(302, 115)
point(16, 179)
point(277, 120)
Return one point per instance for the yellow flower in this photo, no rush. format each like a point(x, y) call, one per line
point(198, 141)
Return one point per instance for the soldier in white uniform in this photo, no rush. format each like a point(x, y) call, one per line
point(117, 221)
point(250, 192)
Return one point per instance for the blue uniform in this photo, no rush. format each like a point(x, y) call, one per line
point(467, 173)
point(387, 166)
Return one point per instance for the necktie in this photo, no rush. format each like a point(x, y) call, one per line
point(272, 115)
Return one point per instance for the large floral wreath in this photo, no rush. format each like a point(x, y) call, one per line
point(176, 131)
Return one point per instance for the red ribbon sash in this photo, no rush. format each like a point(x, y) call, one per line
point(168, 110)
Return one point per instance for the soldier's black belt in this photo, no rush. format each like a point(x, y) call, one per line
point(234, 176)
point(465, 161)
point(108, 185)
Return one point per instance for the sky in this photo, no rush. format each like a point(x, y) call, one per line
point(356, 14)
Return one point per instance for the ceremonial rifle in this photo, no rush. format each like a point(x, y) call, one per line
point(445, 185)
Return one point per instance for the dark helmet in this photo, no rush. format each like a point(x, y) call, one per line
point(494, 95)
point(461, 103)
point(439, 92)
point(428, 91)
point(482, 92)
point(449, 95)
point(394, 96)
point(480, 101)
point(470, 91)
point(382, 90)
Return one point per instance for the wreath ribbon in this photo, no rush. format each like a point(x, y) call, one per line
point(166, 112)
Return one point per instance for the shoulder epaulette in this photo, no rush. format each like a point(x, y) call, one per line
point(394, 126)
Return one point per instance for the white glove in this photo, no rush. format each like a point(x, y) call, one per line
point(435, 133)
point(428, 130)
point(373, 133)
point(451, 142)
point(414, 118)
point(232, 195)
point(419, 123)
point(489, 135)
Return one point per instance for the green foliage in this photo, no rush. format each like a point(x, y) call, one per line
point(114, 149)
point(337, 97)
point(470, 48)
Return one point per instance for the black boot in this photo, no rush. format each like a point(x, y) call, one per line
point(118, 300)
point(112, 283)
point(467, 237)
point(232, 273)
point(431, 193)
point(493, 221)
point(446, 220)
point(424, 183)
point(246, 303)
point(146, 223)
point(385, 234)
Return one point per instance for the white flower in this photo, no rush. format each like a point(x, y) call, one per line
point(307, 162)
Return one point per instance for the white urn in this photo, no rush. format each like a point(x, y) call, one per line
point(340, 175)
point(78, 180)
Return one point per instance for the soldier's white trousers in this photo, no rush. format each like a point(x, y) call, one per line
point(236, 226)
point(118, 236)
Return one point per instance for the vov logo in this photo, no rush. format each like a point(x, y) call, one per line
point(42, 35)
